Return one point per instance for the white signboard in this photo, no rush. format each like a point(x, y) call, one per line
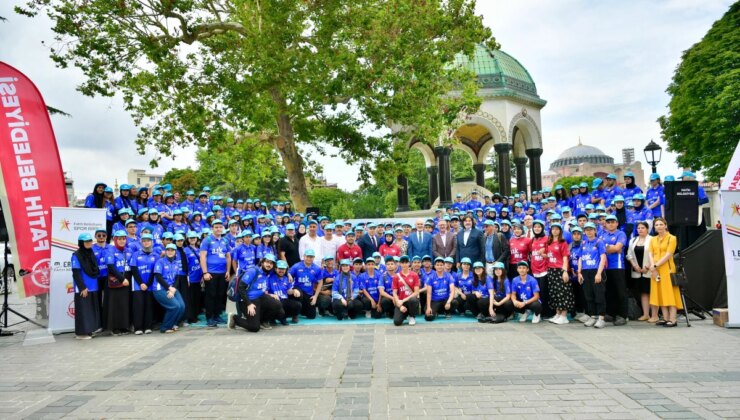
point(730, 199)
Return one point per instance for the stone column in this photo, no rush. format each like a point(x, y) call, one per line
point(521, 173)
point(480, 174)
point(402, 193)
point(504, 171)
point(535, 171)
point(445, 177)
point(433, 173)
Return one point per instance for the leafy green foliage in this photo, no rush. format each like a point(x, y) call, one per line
point(183, 180)
point(342, 209)
point(284, 72)
point(703, 123)
point(461, 166)
point(326, 198)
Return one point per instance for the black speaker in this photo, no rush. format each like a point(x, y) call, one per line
point(681, 203)
point(314, 210)
point(4, 236)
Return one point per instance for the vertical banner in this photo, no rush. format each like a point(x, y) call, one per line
point(730, 217)
point(67, 225)
point(31, 177)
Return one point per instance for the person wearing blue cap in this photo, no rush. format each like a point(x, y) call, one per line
point(244, 256)
point(116, 303)
point(561, 196)
point(406, 285)
point(345, 293)
point(182, 283)
point(177, 224)
point(574, 250)
point(194, 302)
point(597, 191)
point(525, 294)
point(459, 204)
point(307, 278)
point(100, 248)
point(311, 241)
point(281, 287)
point(369, 292)
point(630, 188)
point(464, 298)
point(122, 217)
point(615, 244)
point(655, 196)
point(611, 189)
point(328, 272)
point(583, 198)
point(288, 246)
point(215, 261)
point(495, 293)
point(591, 275)
point(257, 307)
point(142, 303)
point(440, 292)
point(124, 199)
point(164, 290)
point(85, 273)
point(349, 250)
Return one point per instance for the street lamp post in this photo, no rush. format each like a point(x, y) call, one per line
point(653, 152)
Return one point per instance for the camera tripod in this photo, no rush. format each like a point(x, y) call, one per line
point(698, 310)
point(6, 307)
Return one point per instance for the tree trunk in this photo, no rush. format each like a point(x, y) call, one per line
point(292, 160)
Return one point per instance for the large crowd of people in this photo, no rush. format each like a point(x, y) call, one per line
point(168, 258)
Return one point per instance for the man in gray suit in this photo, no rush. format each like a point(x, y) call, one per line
point(444, 243)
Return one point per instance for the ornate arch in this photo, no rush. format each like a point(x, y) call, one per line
point(529, 123)
point(497, 130)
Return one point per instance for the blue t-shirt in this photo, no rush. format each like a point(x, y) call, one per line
point(256, 280)
point(494, 285)
point(90, 283)
point(245, 256)
point(615, 260)
point(118, 259)
point(144, 262)
point(387, 283)
point(168, 269)
point(465, 284)
point(340, 287)
point(424, 276)
point(306, 277)
point(101, 253)
point(279, 286)
point(575, 255)
point(216, 252)
point(591, 252)
point(440, 285)
point(370, 283)
point(196, 272)
point(655, 195)
point(525, 290)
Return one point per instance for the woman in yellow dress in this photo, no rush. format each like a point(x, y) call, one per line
point(663, 293)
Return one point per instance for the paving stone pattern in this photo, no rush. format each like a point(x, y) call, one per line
point(380, 371)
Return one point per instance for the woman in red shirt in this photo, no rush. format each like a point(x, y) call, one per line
point(538, 264)
point(558, 281)
point(519, 247)
point(388, 247)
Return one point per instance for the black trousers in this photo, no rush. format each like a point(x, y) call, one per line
point(535, 307)
point(307, 310)
point(438, 307)
point(267, 309)
point(470, 303)
point(291, 307)
point(547, 312)
point(505, 310)
point(323, 304)
point(595, 293)
point(616, 293)
point(578, 297)
point(215, 287)
point(194, 302)
point(183, 286)
point(142, 310)
point(386, 307)
point(353, 308)
point(412, 309)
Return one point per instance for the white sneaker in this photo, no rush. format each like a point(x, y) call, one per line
point(367, 314)
point(563, 320)
point(147, 331)
point(412, 320)
point(554, 319)
point(582, 318)
point(590, 323)
point(523, 317)
point(230, 321)
point(536, 319)
point(138, 332)
point(600, 324)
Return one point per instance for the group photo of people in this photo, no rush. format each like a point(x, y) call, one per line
point(167, 260)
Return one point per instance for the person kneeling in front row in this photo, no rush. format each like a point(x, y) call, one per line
point(405, 293)
point(258, 307)
point(440, 292)
point(345, 293)
point(525, 294)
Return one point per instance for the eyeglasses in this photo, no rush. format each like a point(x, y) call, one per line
point(100, 235)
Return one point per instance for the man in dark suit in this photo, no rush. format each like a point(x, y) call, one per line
point(444, 243)
point(368, 242)
point(420, 242)
point(496, 248)
point(470, 241)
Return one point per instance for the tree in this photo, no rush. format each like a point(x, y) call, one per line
point(293, 73)
point(182, 180)
point(325, 198)
point(703, 122)
point(342, 209)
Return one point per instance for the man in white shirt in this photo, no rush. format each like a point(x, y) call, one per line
point(311, 241)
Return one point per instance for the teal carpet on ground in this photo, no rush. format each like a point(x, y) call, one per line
point(330, 320)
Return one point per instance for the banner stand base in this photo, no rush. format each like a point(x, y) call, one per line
point(732, 325)
point(41, 336)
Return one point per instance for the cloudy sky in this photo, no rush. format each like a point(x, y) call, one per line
point(602, 66)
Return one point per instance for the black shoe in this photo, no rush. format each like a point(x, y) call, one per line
point(499, 319)
point(283, 321)
point(265, 326)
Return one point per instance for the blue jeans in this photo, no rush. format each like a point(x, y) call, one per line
point(174, 308)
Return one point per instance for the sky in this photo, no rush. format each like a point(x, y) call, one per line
point(602, 66)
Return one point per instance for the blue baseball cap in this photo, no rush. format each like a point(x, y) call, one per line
point(685, 174)
point(153, 211)
point(583, 185)
point(478, 264)
point(129, 221)
point(439, 259)
point(179, 237)
point(596, 182)
point(167, 235)
point(269, 257)
point(449, 260)
point(629, 174)
point(497, 264)
point(611, 176)
point(465, 260)
point(576, 229)
point(345, 261)
point(611, 217)
point(653, 177)
point(589, 225)
point(147, 236)
point(85, 237)
point(618, 198)
point(216, 222)
point(309, 253)
point(282, 264)
point(192, 234)
point(669, 178)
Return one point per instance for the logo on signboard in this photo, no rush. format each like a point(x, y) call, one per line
point(64, 224)
point(71, 309)
point(735, 209)
point(41, 273)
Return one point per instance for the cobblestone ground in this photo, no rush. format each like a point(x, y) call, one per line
point(380, 371)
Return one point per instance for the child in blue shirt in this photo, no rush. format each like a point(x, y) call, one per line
point(525, 294)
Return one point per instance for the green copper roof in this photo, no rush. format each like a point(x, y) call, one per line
point(498, 70)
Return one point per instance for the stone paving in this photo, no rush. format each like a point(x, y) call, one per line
point(432, 370)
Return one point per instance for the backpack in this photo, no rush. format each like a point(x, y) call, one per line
point(232, 291)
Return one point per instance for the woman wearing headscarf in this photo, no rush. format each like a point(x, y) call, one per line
point(85, 272)
point(117, 295)
point(194, 303)
point(125, 200)
point(94, 200)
